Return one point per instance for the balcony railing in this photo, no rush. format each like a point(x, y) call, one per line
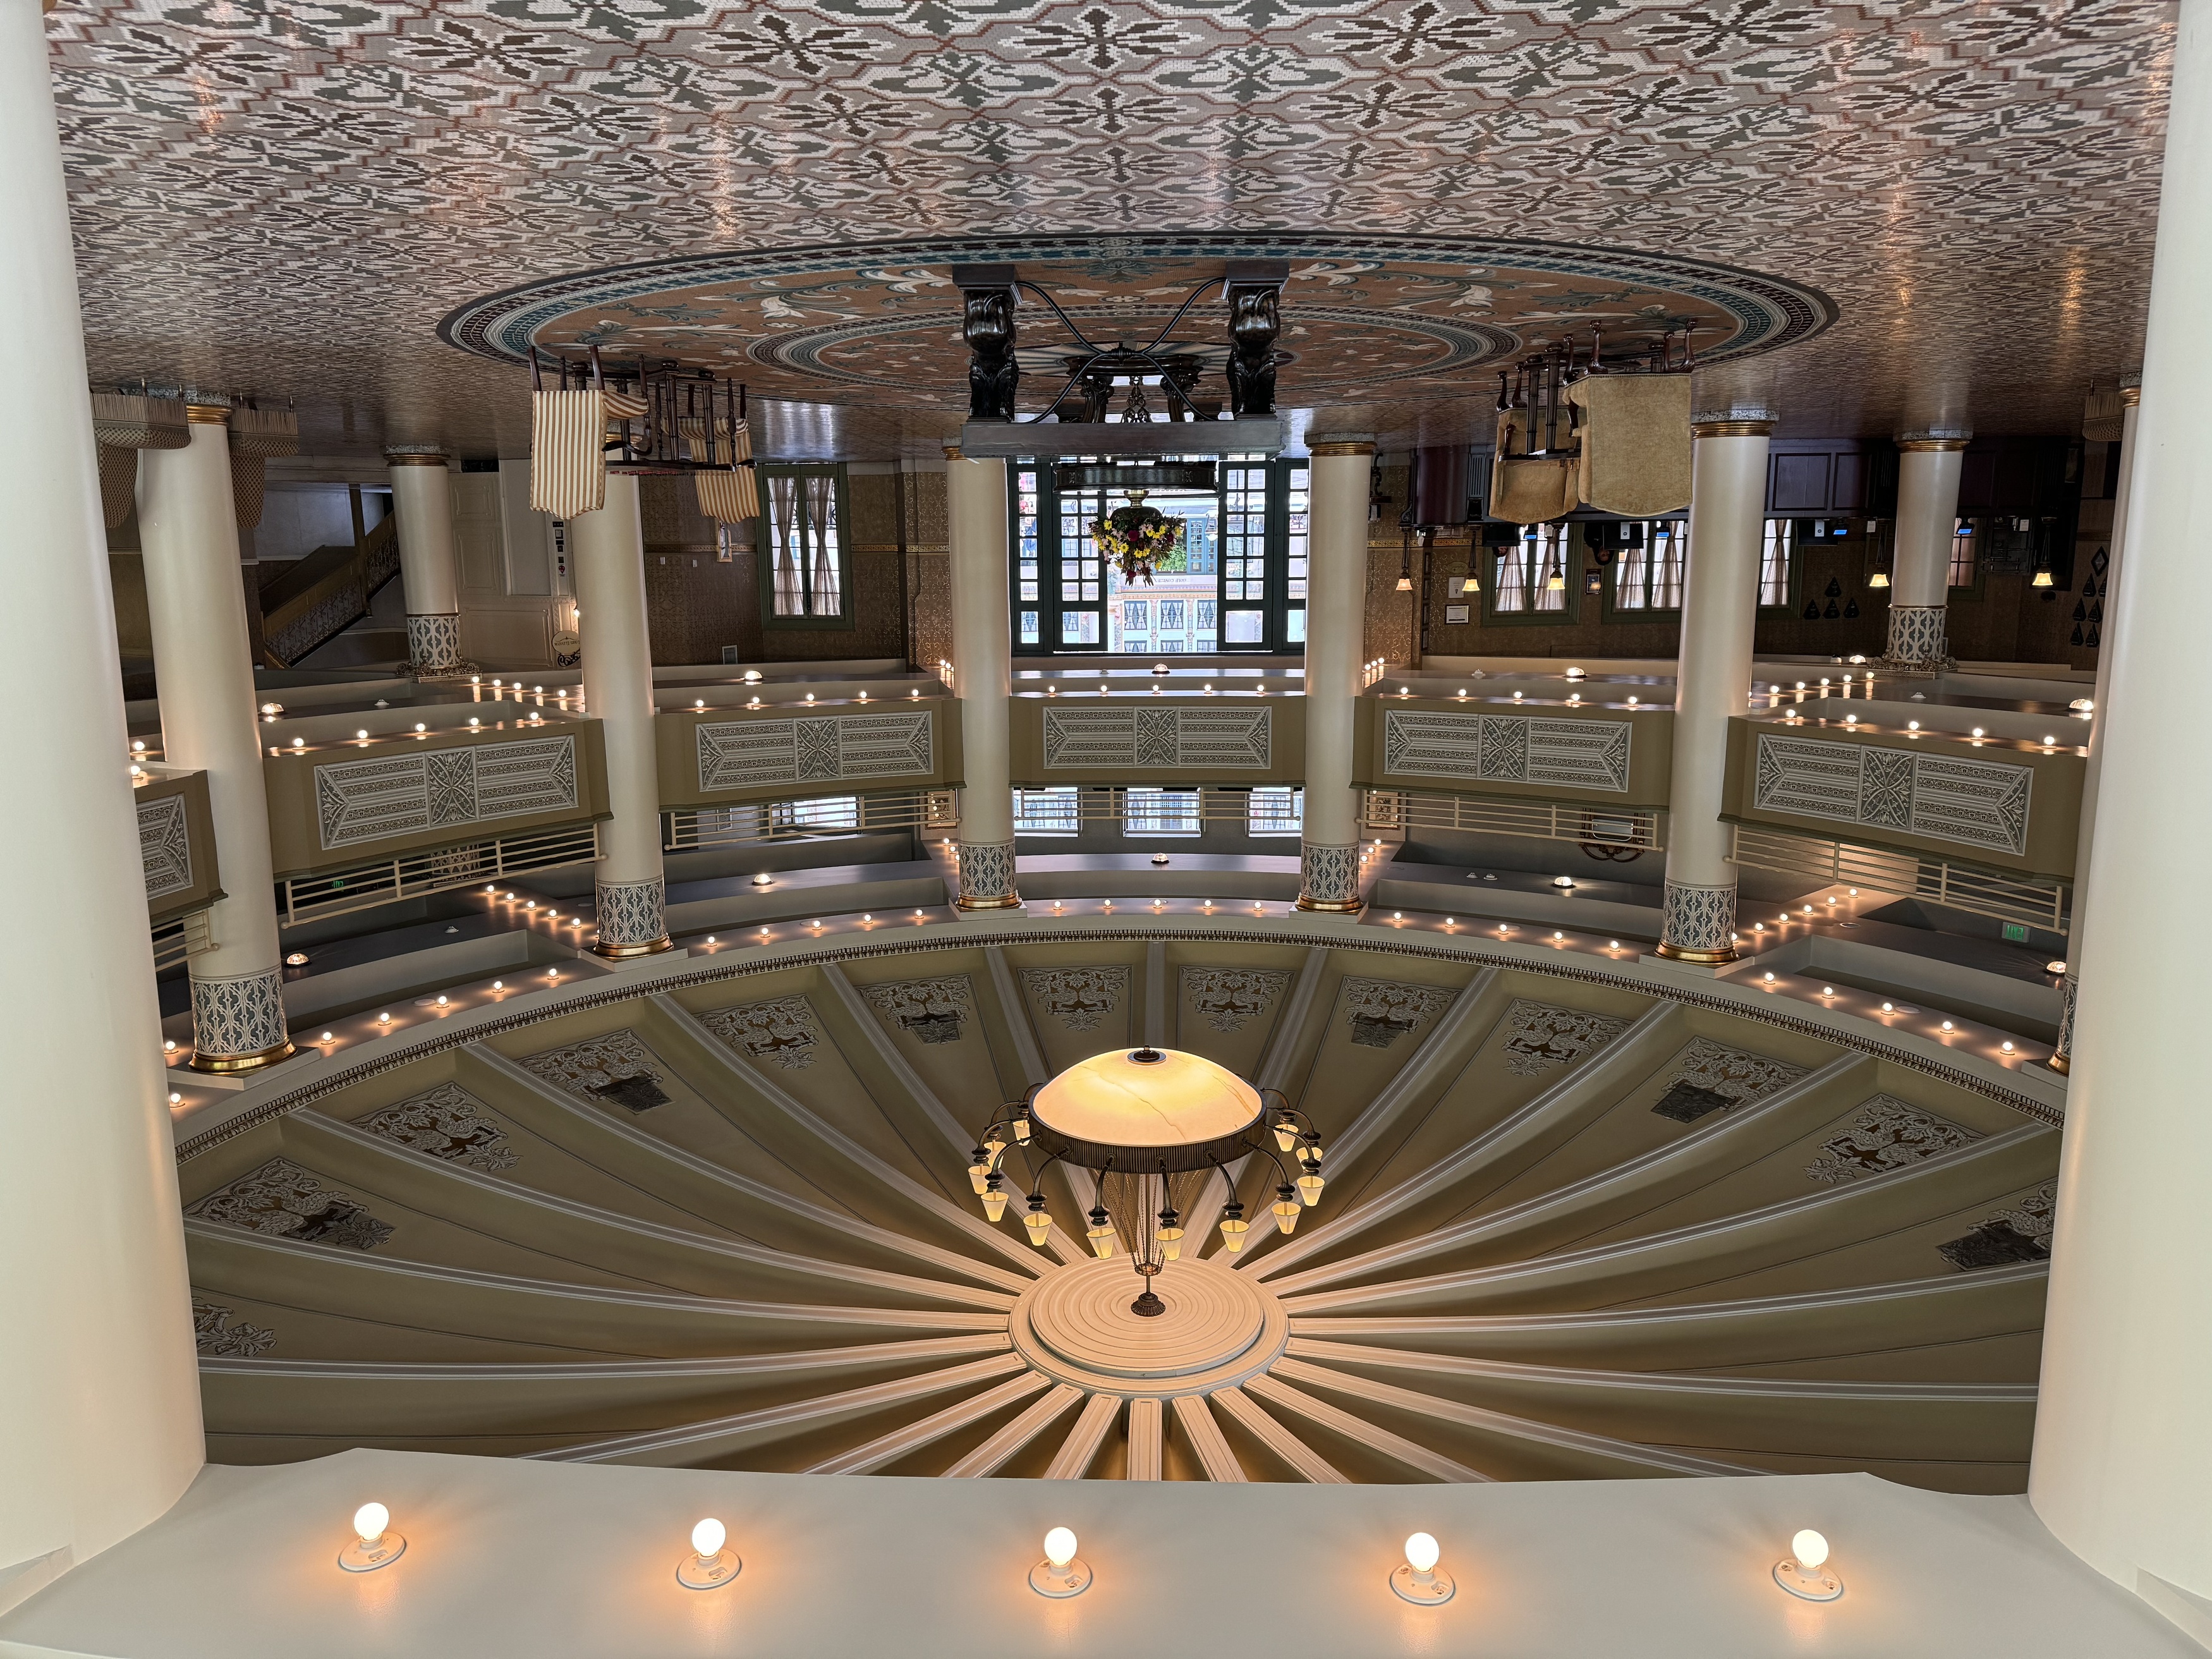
point(813, 817)
point(363, 887)
point(1634, 828)
point(2035, 902)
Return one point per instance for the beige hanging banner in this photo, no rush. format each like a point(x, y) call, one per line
point(1635, 443)
point(729, 497)
point(568, 463)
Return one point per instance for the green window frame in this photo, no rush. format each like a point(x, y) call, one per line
point(1657, 570)
point(1518, 594)
point(802, 552)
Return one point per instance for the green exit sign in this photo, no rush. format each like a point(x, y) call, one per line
point(2016, 931)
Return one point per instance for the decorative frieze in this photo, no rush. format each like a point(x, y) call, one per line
point(783, 1031)
point(448, 1122)
point(1523, 749)
point(165, 847)
point(1711, 1077)
point(283, 1201)
point(1226, 999)
point(1380, 1011)
point(928, 1010)
point(2020, 1232)
point(1885, 1133)
point(410, 792)
point(1953, 797)
point(1226, 738)
point(617, 1069)
point(1079, 998)
point(818, 749)
point(217, 1337)
point(1538, 1037)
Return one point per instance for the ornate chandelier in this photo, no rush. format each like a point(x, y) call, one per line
point(1155, 1123)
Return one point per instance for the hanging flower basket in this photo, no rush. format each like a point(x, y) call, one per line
point(1136, 538)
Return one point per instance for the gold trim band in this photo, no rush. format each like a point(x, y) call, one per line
point(617, 953)
point(206, 414)
point(1011, 902)
point(952, 452)
point(1332, 907)
point(1342, 446)
point(1731, 428)
point(219, 1063)
point(2057, 1063)
point(2130, 395)
point(1700, 958)
point(1931, 446)
point(406, 460)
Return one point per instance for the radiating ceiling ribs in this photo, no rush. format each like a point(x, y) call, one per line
point(1301, 1459)
point(888, 1448)
point(1081, 1449)
point(1396, 1448)
point(992, 1454)
point(1205, 1439)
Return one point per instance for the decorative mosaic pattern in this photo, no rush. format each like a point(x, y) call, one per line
point(1917, 634)
point(1711, 1077)
point(241, 1015)
point(2022, 1233)
point(433, 642)
point(1540, 1037)
point(217, 1337)
point(823, 748)
point(361, 169)
point(1886, 1134)
point(165, 847)
point(631, 911)
point(1420, 743)
point(448, 1122)
point(1228, 999)
point(986, 871)
point(928, 1010)
point(2064, 1046)
point(283, 1201)
point(1327, 875)
point(617, 1068)
point(1975, 803)
point(1079, 998)
point(1183, 739)
point(1695, 918)
point(1379, 1012)
point(783, 1031)
point(408, 793)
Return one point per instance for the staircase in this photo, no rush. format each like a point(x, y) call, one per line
point(309, 603)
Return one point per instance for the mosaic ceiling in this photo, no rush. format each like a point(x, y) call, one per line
point(289, 198)
point(1417, 317)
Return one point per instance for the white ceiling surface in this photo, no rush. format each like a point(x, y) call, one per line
point(286, 198)
point(507, 1558)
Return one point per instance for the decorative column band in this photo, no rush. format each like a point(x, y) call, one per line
point(433, 642)
point(208, 413)
point(238, 1022)
point(2062, 1052)
point(1917, 634)
point(986, 876)
point(1342, 446)
point(1922, 445)
point(1732, 427)
point(632, 921)
point(1328, 878)
point(412, 457)
point(1697, 924)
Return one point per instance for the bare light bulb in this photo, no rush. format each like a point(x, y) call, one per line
point(1060, 1546)
point(707, 1539)
point(1805, 1574)
point(1422, 1552)
point(1810, 1548)
point(374, 1544)
point(1420, 1580)
point(709, 1565)
point(370, 1522)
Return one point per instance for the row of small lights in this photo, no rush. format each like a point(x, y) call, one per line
point(1421, 1578)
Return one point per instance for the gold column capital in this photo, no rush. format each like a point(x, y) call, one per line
point(1732, 429)
point(207, 414)
point(1341, 447)
point(414, 457)
point(1929, 443)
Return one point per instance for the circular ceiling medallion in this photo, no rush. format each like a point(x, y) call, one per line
point(880, 323)
point(1220, 1328)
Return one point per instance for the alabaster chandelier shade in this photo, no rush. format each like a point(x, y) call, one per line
point(1155, 1123)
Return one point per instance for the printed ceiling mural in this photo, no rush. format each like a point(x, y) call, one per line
point(287, 198)
point(1358, 311)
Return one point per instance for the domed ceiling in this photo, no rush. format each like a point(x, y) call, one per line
point(1569, 1229)
point(1362, 316)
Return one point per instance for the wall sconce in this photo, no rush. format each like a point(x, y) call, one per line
point(1803, 1574)
point(2041, 579)
point(709, 1566)
point(1419, 1580)
point(1879, 579)
point(374, 1544)
point(1061, 1574)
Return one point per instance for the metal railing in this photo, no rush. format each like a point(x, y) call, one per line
point(1607, 826)
point(363, 887)
point(815, 817)
point(2036, 901)
point(1164, 809)
point(181, 937)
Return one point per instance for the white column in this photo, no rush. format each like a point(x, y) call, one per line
point(422, 501)
point(2115, 543)
point(608, 550)
point(982, 666)
point(1336, 615)
point(1712, 682)
point(2123, 1464)
point(204, 671)
point(99, 1412)
point(1927, 468)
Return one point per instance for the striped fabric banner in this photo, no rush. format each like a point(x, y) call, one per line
point(567, 467)
point(728, 497)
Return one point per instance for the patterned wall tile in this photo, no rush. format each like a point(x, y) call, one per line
point(928, 1010)
point(1540, 1037)
point(1507, 749)
point(784, 1030)
point(285, 1201)
point(1885, 1133)
point(448, 1122)
point(1228, 999)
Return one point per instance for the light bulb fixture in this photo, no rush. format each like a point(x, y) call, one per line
point(1170, 1236)
point(1233, 1227)
point(1062, 1573)
point(1879, 579)
point(1805, 1573)
point(710, 1565)
point(374, 1544)
point(1311, 1181)
point(1038, 1223)
point(995, 1198)
point(1101, 1233)
point(1286, 1208)
point(1419, 1579)
point(1556, 582)
point(2041, 579)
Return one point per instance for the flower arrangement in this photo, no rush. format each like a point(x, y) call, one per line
point(1136, 538)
